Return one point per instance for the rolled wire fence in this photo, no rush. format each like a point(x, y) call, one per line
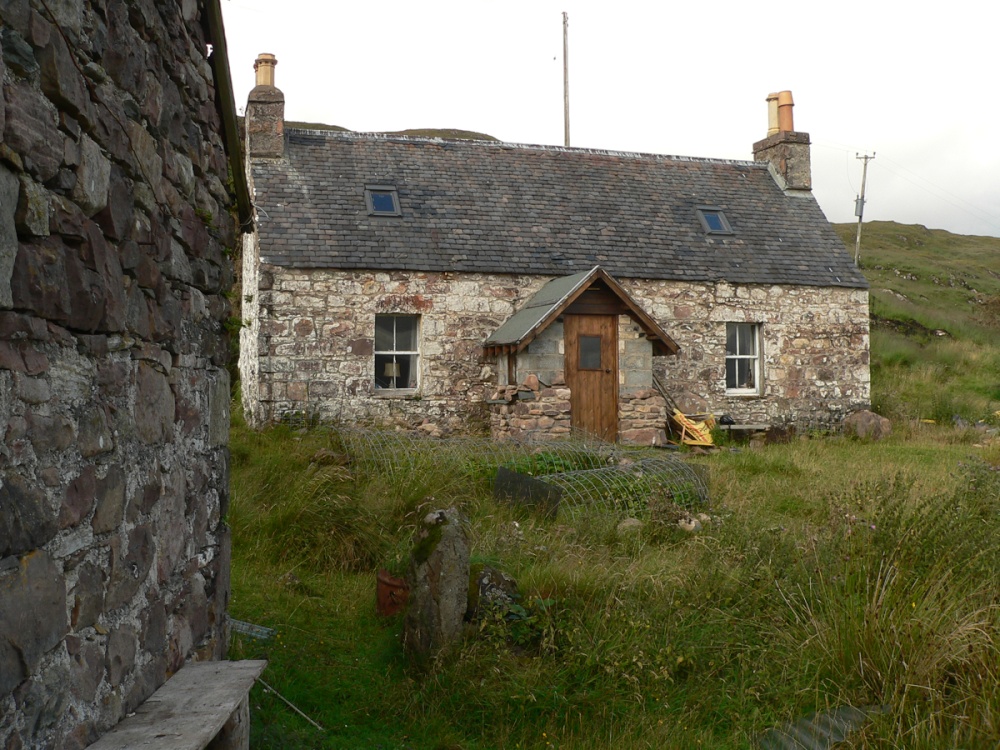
point(590, 475)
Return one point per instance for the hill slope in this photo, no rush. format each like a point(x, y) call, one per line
point(935, 303)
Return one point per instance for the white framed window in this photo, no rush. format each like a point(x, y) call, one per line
point(397, 352)
point(743, 374)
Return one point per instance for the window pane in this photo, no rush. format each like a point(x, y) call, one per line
point(746, 342)
point(730, 338)
point(383, 202)
point(590, 352)
point(383, 333)
point(714, 221)
point(731, 373)
point(744, 373)
point(384, 371)
point(406, 333)
point(407, 371)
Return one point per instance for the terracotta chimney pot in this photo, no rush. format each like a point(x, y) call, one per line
point(785, 104)
point(784, 148)
point(264, 68)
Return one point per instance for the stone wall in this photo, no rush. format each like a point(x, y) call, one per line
point(314, 335)
point(114, 222)
point(313, 332)
point(815, 349)
point(530, 411)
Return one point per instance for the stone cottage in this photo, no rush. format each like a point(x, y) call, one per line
point(114, 394)
point(470, 284)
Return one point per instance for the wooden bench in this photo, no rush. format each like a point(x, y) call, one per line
point(204, 705)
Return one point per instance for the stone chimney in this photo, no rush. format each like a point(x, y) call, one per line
point(784, 148)
point(265, 115)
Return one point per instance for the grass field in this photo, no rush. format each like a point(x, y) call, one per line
point(834, 572)
point(935, 303)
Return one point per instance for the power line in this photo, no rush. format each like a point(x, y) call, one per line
point(931, 188)
point(946, 195)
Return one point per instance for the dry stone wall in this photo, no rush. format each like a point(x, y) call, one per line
point(114, 221)
point(313, 334)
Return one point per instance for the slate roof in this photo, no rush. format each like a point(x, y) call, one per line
point(492, 207)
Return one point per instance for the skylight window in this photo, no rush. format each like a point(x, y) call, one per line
point(713, 221)
point(382, 200)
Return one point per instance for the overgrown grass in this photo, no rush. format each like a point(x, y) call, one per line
point(813, 588)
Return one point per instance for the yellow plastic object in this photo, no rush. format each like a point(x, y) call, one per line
point(695, 432)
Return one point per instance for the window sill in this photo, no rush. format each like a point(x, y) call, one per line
point(744, 394)
point(404, 393)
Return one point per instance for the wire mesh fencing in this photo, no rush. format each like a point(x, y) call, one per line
point(590, 475)
point(630, 487)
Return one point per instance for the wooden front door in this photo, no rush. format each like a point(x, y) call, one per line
point(592, 373)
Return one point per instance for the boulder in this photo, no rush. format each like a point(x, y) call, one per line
point(439, 584)
point(629, 527)
point(490, 589)
point(689, 524)
point(867, 425)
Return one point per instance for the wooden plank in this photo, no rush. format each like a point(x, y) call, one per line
point(188, 710)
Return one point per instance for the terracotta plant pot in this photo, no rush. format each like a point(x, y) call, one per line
point(392, 594)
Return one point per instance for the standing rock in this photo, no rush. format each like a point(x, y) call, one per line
point(439, 584)
point(867, 424)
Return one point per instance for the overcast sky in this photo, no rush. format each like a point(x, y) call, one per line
point(917, 86)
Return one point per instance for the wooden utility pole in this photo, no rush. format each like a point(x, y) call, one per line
point(859, 206)
point(566, 74)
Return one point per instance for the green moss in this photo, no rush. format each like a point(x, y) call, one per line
point(430, 537)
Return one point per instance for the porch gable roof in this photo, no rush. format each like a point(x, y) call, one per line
point(552, 300)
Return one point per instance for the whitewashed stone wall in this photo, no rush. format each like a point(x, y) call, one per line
point(313, 334)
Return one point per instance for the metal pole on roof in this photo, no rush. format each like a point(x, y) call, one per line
point(859, 205)
point(566, 74)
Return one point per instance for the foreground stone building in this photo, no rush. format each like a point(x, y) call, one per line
point(115, 226)
point(457, 285)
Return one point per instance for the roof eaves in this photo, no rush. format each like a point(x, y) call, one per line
point(227, 111)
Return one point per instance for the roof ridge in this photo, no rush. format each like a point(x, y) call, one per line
point(509, 145)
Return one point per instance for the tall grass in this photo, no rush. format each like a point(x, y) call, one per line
point(937, 379)
point(787, 603)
